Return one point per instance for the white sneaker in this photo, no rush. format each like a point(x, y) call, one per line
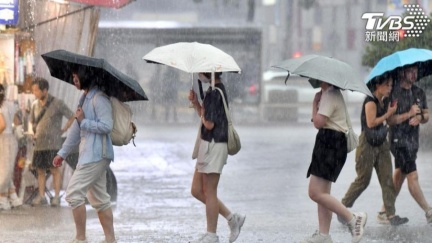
point(318, 238)
point(4, 204)
point(382, 218)
point(207, 238)
point(235, 225)
point(15, 202)
point(356, 226)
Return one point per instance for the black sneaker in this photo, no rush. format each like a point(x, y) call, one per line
point(396, 220)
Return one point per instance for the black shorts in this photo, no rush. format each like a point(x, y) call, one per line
point(329, 155)
point(405, 158)
point(43, 159)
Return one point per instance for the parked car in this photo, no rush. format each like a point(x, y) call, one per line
point(293, 101)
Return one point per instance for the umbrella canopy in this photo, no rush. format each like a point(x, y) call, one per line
point(422, 57)
point(326, 69)
point(115, 83)
point(193, 57)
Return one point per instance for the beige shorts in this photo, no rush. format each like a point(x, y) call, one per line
point(211, 157)
point(89, 180)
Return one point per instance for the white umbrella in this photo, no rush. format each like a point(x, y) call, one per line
point(193, 57)
point(327, 69)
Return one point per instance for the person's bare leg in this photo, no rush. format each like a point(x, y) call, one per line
point(106, 220)
point(416, 191)
point(319, 192)
point(55, 172)
point(210, 182)
point(198, 192)
point(80, 215)
point(317, 188)
point(41, 181)
point(398, 180)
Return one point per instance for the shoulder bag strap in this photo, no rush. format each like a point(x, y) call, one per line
point(225, 106)
point(42, 113)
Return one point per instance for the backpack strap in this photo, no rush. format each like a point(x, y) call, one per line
point(104, 139)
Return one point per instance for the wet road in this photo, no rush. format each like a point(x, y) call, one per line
point(266, 181)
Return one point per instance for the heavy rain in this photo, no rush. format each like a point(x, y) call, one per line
point(150, 183)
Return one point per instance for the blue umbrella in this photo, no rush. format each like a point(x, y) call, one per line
point(403, 58)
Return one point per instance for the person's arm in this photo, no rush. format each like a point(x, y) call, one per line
point(17, 118)
point(68, 124)
point(104, 122)
point(318, 120)
point(66, 112)
point(72, 140)
point(399, 118)
point(2, 123)
point(194, 100)
point(424, 116)
point(371, 110)
point(209, 125)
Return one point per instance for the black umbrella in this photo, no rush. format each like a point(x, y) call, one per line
point(112, 81)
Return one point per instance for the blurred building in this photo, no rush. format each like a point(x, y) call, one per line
point(289, 28)
point(257, 33)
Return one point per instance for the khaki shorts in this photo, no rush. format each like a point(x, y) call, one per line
point(89, 180)
point(211, 157)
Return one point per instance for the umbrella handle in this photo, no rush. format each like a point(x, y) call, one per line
point(192, 85)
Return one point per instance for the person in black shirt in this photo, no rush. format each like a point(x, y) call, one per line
point(373, 150)
point(211, 158)
point(404, 133)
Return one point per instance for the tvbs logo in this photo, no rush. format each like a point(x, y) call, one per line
point(412, 25)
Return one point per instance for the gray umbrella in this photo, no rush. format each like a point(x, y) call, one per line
point(326, 69)
point(113, 82)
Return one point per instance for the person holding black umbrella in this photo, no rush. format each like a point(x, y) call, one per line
point(91, 131)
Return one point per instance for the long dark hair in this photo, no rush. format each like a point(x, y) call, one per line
point(85, 75)
point(2, 94)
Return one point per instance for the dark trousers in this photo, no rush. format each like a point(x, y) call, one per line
point(369, 157)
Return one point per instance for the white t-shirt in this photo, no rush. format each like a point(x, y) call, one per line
point(332, 105)
point(8, 110)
